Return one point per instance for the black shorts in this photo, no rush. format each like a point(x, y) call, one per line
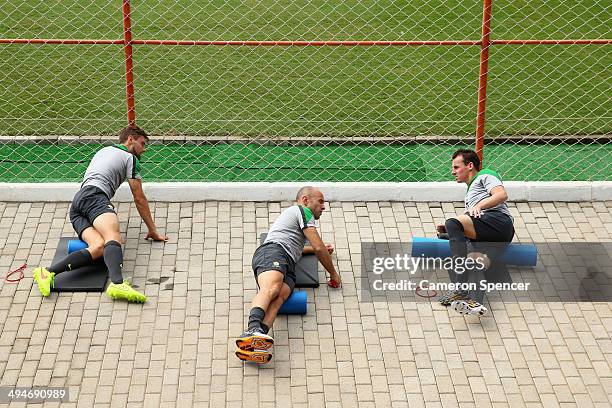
point(494, 231)
point(273, 257)
point(493, 226)
point(88, 204)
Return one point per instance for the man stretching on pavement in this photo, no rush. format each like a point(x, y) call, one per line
point(94, 219)
point(274, 267)
point(482, 231)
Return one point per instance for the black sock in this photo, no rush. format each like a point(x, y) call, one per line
point(264, 328)
point(256, 316)
point(458, 247)
point(113, 258)
point(72, 261)
point(456, 236)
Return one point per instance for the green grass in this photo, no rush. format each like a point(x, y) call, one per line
point(254, 162)
point(266, 92)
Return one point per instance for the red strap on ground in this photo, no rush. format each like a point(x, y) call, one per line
point(430, 293)
point(19, 272)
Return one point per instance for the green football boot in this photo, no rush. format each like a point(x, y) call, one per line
point(44, 279)
point(125, 291)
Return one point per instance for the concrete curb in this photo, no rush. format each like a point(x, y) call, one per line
point(562, 191)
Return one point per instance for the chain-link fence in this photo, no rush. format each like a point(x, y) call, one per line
point(309, 90)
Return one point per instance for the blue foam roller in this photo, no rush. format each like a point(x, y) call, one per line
point(76, 245)
point(296, 304)
point(515, 254)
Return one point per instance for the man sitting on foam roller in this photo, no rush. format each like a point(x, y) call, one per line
point(486, 220)
point(274, 267)
point(94, 219)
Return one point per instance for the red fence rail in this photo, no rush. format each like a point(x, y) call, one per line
point(69, 41)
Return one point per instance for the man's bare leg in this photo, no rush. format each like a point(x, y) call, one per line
point(255, 337)
point(276, 304)
point(107, 225)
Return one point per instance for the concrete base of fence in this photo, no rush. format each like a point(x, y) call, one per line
point(562, 191)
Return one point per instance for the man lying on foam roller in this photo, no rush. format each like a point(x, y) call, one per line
point(94, 219)
point(274, 267)
point(486, 225)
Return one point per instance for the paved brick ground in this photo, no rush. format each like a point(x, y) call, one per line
point(178, 348)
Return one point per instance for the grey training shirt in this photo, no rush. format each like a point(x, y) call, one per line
point(480, 189)
point(288, 230)
point(110, 167)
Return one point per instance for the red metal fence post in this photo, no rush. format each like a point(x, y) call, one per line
point(129, 64)
point(482, 77)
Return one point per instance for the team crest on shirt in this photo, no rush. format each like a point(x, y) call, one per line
point(276, 264)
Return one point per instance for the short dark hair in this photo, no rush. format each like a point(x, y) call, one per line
point(469, 156)
point(133, 131)
point(304, 191)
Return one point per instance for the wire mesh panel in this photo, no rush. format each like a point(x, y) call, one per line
point(308, 20)
point(53, 89)
point(306, 90)
point(61, 19)
point(551, 19)
point(551, 101)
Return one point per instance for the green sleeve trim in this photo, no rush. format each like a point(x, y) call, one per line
point(136, 168)
point(484, 171)
point(490, 172)
point(308, 214)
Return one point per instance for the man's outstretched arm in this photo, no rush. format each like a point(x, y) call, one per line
point(308, 249)
point(322, 253)
point(142, 205)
